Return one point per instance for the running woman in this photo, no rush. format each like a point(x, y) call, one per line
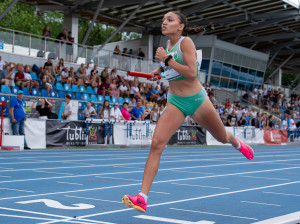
point(186, 97)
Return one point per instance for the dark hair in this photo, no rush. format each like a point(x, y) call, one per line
point(104, 107)
point(187, 30)
point(125, 103)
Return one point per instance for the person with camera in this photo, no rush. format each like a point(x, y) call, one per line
point(44, 108)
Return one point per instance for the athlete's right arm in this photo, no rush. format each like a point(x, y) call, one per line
point(155, 72)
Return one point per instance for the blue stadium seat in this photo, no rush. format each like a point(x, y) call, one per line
point(5, 89)
point(95, 89)
point(78, 96)
point(114, 99)
point(121, 100)
point(97, 107)
point(15, 89)
point(108, 98)
point(94, 98)
point(26, 91)
point(89, 90)
point(67, 87)
point(75, 89)
point(61, 95)
point(59, 86)
point(82, 89)
point(35, 92)
point(5, 109)
point(127, 100)
point(100, 99)
point(44, 93)
point(81, 105)
point(81, 116)
point(53, 94)
point(33, 76)
point(86, 97)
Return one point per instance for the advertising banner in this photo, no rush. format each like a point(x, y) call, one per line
point(131, 133)
point(189, 135)
point(210, 140)
point(275, 137)
point(249, 135)
point(60, 134)
point(96, 133)
point(35, 130)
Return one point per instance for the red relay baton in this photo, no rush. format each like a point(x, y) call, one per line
point(142, 75)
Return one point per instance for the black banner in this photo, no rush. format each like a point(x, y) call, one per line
point(189, 135)
point(96, 133)
point(59, 134)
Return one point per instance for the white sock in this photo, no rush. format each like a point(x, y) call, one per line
point(239, 146)
point(144, 196)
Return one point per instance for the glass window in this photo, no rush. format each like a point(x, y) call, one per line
point(214, 80)
point(251, 75)
point(226, 70)
point(259, 77)
point(250, 86)
point(233, 83)
point(205, 65)
point(241, 85)
point(216, 68)
point(237, 59)
point(235, 72)
point(253, 63)
point(245, 61)
point(243, 74)
point(219, 54)
point(228, 57)
point(223, 82)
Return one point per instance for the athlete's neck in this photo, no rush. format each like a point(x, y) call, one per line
point(174, 39)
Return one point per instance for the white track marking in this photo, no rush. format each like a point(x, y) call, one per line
point(67, 183)
point(259, 203)
point(154, 218)
point(5, 176)
point(284, 219)
point(95, 199)
point(156, 182)
point(10, 189)
point(193, 185)
point(267, 178)
point(295, 195)
point(40, 171)
point(157, 192)
point(116, 178)
point(129, 167)
point(210, 213)
point(182, 171)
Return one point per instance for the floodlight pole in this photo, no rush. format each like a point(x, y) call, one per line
point(8, 8)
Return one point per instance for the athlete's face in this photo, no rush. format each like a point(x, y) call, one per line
point(171, 24)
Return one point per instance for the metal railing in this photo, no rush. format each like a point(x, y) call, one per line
point(33, 45)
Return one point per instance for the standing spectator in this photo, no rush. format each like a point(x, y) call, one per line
point(263, 121)
point(146, 112)
point(137, 112)
point(66, 115)
point(141, 54)
point(123, 90)
point(292, 123)
point(20, 79)
point(44, 108)
point(232, 120)
point(2, 63)
point(7, 76)
point(62, 37)
point(284, 125)
point(47, 82)
point(116, 56)
point(270, 124)
point(115, 113)
point(104, 88)
point(46, 35)
point(124, 112)
point(154, 114)
point(69, 50)
point(17, 114)
point(104, 114)
point(89, 111)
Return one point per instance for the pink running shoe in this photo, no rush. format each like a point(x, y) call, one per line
point(137, 202)
point(246, 150)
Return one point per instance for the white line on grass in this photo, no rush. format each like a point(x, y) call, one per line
point(210, 213)
point(95, 199)
point(68, 183)
point(296, 195)
point(193, 185)
point(267, 178)
point(259, 203)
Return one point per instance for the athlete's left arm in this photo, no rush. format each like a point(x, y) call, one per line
point(189, 70)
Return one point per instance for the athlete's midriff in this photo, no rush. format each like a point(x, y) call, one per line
point(185, 87)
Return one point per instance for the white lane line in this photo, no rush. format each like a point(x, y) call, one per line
point(40, 171)
point(259, 203)
point(116, 178)
point(296, 195)
point(157, 192)
point(6, 168)
point(175, 221)
point(26, 217)
point(181, 171)
point(284, 219)
point(95, 199)
point(193, 185)
point(87, 163)
point(10, 189)
point(4, 176)
point(129, 167)
point(67, 183)
point(267, 178)
point(164, 181)
point(210, 213)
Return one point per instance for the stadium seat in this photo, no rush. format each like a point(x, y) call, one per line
point(82, 89)
point(59, 86)
point(97, 106)
point(33, 76)
point(86, 97)
point(100, 99)
point(44, 93)
point(75, 89)
point(89, 90)
point(114, 99)
point(81, 116)
point(78, 96)
point(121, 100)
point(67, 87)
point(94, 98)
point(61, 95)
point(95, 89)
point(26, 91)
point(6, 109)
point(35, 92)
point(15, 89)
point(108, 98)
point(127, 100)
point(5, 89)
point(53, 94)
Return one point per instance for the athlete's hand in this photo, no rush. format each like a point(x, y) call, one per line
point(155, 72)
point(161, 54)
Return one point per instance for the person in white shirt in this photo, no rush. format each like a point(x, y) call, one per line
point(30, 83)
point(292, 124)
point(123, 90)
point(157, 84)
point(2, 63)
point(64, 75)
point(89, 111)
point(88, 70)
point(253, 113)
point(115, 113)
point(134, 91)
point(66, 115)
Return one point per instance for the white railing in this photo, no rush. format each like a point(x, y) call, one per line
point(32, 45)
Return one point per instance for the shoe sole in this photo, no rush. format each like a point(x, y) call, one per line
point(249, 147)
point(126, 201)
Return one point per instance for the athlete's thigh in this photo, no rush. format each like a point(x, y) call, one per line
point(167, 124)
point(207, 117)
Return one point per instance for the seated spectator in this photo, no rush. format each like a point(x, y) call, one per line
point(114, 75)
point(64, 76)
point(7, 76)
point(212, 98)
point(82, 77)
point(113, 90)
point(104, 74)
point(49, 66)
point(243, 121)
point(104, 113)
point(71, 76)
point(104, 88)
point(96, 81)
point(191, 121)
point(94, 72)
point(125, 113)
point(89, 111)
point(47, 81)
point(115, 113)
point(146, 112)
point(162, 97)
point(123, 90)
point(232, 120)
point(154, 114)
point(137, 112)
point(20, 79)
point(223, 117)
point(2, 64)
point(88, 70)
point(228, 103)
point(253, 113)
point(134, 91)
point(157, 85)
point(44, 108)
point(132, 103)
point(59, 67)
point(31, 83)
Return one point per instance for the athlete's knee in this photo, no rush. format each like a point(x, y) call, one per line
point(157, 145)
